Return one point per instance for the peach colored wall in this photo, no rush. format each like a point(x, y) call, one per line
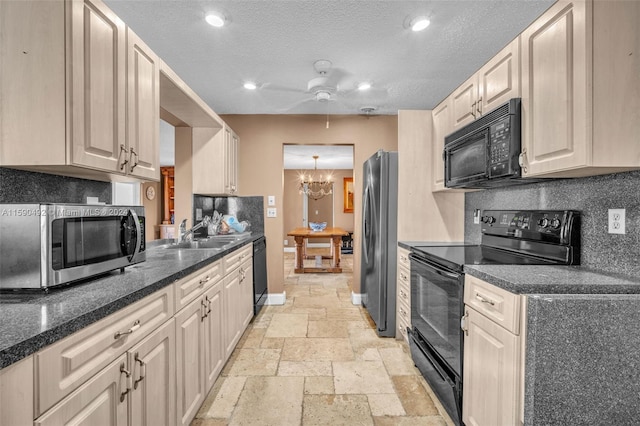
point(293, 203)
point(152, 210)
point(261, 166)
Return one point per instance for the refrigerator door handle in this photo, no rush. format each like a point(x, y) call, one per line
point(365, 215)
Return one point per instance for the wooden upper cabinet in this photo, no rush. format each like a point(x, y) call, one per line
point(493, 85)
point(98, 86)
point(215, 161)
point(580, 71)
point(143, 110)
point(79, 94)
point(442, 126)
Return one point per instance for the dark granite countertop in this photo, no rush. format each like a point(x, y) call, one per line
point(32, 320)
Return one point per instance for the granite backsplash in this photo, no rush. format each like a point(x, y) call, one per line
point(592, 196)
point(250, 209)
point(19, 186)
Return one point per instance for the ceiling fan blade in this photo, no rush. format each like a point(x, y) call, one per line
point(297, 104)
point(337, 77)
point(279, 88)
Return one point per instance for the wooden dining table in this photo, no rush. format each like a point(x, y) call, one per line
point(301, 234)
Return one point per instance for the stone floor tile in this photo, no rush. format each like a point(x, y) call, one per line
point(304, 368)
point(314, 314)
point(334, 410)
point(316, 349)
point(318, 385)
point(226, 398)
point(328, 329)
point(415, 399)
point(342, 313)
point(316, 301)
point(410, 421)
point(270, 401)
point(252, 339)
point(386, 404)
point(288, 325)
point(369, 354)
point(272, 343)
point(255, 362)
point(361, 377)
point(397, 362)
point(209, 422)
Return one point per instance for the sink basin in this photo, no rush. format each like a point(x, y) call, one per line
point(199, 244)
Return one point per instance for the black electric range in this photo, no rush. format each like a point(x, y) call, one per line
point(437, 286)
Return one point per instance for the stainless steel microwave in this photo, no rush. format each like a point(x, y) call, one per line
point(485, 153)
point(46, 245)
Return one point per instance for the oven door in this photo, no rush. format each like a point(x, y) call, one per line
point(466, 160)
point(436, 309)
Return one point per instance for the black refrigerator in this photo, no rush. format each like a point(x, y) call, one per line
point(380, 240)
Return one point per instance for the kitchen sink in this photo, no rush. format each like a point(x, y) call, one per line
point(200, 244)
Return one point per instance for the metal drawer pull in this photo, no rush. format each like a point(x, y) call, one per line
point(134, 327)
point(483, 300)
point(204, 280)
point(143, 371)
point(403, 276)
point(125, 162)
point(403, 294)
point(135, 163)
point(127, 381)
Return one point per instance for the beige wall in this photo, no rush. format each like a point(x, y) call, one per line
point(292, 203)
point(261, 166)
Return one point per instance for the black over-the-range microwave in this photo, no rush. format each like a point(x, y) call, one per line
point(485, 153)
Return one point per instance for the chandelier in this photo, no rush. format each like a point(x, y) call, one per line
point(315, 187)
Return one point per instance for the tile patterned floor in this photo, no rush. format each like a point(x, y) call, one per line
point(317, 360)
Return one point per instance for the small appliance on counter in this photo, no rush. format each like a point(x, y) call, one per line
point(437, 286)
point(47, 245)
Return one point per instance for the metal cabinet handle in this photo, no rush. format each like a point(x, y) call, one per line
point(485, 300)
point(479, 107)
point(127, 376)
point(134, 327)
point(403, 294)
point(522, 160)
point(463, 323)
point(143, 371)
point(473, 109)
point(404, 277)
point(203, 310)
point(208, 305)
point(124, 163)
point(204, 280)
point(135, 163)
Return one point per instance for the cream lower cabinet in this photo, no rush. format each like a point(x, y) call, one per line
point(238, 296)
point(493, 345)
point(16, 393)
point(63, 92)
point(580, 86)
point(403, 295)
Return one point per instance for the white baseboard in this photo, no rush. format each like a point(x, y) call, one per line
point(289, 249)
point(356, 298)
point(276, 298)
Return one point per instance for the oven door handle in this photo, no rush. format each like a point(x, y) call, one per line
point(433, 268)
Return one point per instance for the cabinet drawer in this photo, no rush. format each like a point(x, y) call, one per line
point(404, 283)
point(500, 306)
point(402, 331)
point(192, 286)
point(234, 260)
point(403, 258)
point(404, 313)
point(65, 365)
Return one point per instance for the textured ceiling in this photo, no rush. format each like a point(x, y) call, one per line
point(276, 42)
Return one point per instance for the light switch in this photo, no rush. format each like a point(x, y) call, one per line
point(271, 200)
point(271, 212)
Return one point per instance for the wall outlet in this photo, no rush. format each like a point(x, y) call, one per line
point(286, 242)
point(476, 216)
point(617, 221)
point(271, 212)
point(271, 200)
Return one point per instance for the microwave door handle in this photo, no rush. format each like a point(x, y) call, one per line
point(136, 221)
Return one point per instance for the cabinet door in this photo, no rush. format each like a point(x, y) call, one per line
point(231, 311)
point(16, 393)
point(464, 103)
point(153, 367)
point(228, 165)
point(499, 79)
point(246, 294)
point(491, 373)
point(143, 110)
point(97, 92)
point(209, 161)
point(555, 105)
point(189, 361)
point(97, 402)
point(214, 356)
point(441, 128)
point(234, 163)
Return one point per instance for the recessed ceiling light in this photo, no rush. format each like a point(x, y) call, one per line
point(364, 86)
point(419, 23)
point(250, 85)
point(215, 19)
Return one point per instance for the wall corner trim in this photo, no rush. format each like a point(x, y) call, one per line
point(356, 298)
point(276, 298)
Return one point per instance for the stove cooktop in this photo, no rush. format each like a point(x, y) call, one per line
point(455, 257)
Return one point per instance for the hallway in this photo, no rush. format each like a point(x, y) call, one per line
point(316, 360)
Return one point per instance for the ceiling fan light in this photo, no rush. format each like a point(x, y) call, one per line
point(249, 85)
point(323, 96)
point(364, 86)
point(419, 23)
point(215, 19)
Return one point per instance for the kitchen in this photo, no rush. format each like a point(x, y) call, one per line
point(611, 253)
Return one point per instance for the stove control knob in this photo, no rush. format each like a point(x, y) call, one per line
point(555, 223)
point(543, 222)
point(489, 219)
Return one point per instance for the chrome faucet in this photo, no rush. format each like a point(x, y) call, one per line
point(183, 233)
